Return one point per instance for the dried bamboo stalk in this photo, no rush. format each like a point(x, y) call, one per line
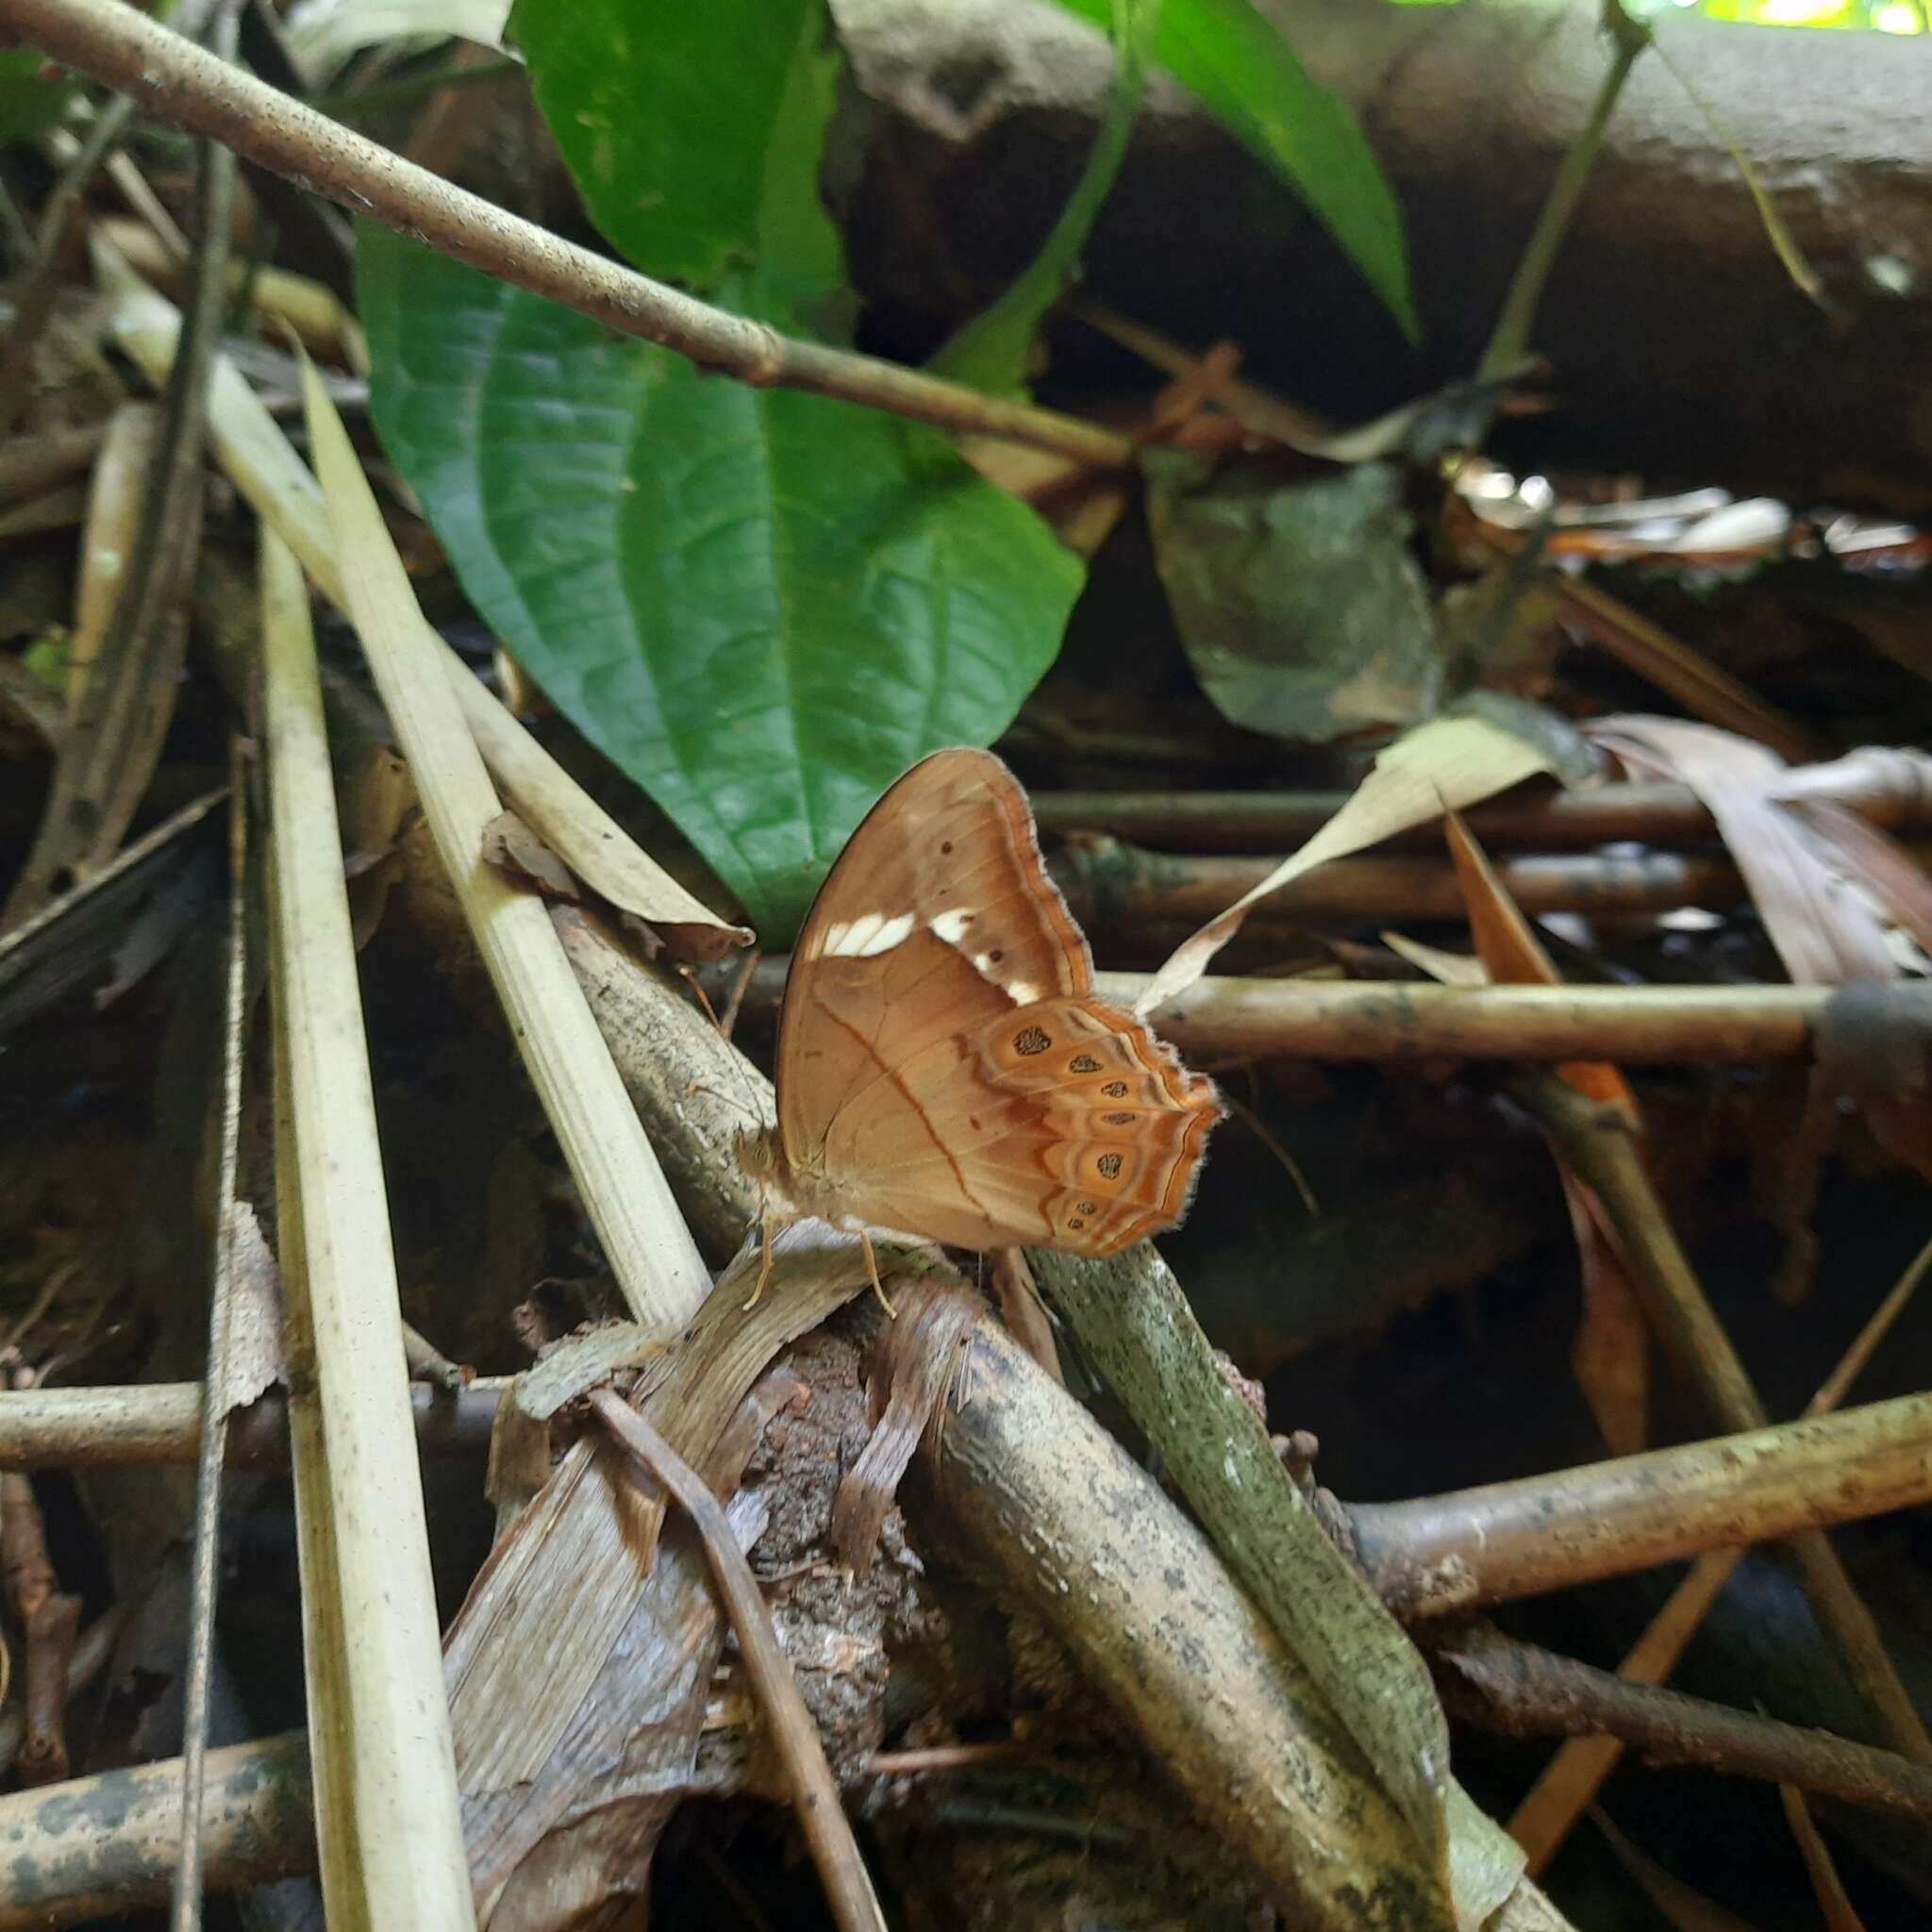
point(651, 1253)
point(388, 1818)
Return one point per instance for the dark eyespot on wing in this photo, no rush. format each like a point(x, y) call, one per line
point(1087, 1207)
point(1085, 1063)
point(1110, 1166)
point(1031, 1039)
point(1117, 1119)
point(1115, 1090)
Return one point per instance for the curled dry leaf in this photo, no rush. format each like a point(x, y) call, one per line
point(1447, 763)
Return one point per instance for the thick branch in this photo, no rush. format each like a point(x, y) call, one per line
point(178, 82)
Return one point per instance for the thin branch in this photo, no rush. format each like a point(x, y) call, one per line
point(815, 1797)
point(1891, 791)
point(180, 83)
point(1525, 1691)
point(1114, 885)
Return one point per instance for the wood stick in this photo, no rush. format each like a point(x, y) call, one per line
point(1525, 1691)
point(96, 1847)
point(1121, 886)
point(1439, 1555)
point(1894, 797)
point(1400, 1019)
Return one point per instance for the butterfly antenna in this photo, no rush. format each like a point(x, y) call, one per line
point(750, 1105)
point(1242, 1111)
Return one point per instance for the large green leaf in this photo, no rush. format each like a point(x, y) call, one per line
point(693, 133)
point(761, 604)
point(1247, 76)
point(34, 93)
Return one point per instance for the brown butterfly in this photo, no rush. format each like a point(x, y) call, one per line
point(944, 1068)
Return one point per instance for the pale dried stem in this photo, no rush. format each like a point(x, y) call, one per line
point(375, 1665)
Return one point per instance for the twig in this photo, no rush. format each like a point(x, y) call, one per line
point(115, 738)
point(1111, 885)
point(1569, 1783)
point(1396, 1020)
point(815, 1796)
point(185, 1908)
point(92, 1651)
point(180, 83)
point(51, 1620)
point(1595, 1143)
point(1893, 794)
point(1525, 1691)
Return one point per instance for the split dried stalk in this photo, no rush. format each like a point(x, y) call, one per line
point(655, 1263)
point(50, 1618)
point(263, 466)
point(388, 1817)
point(815, 1797)
point(129, 451)
point(1596, 1143)
point(176, 80)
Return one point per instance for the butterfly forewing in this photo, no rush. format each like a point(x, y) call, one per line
point(942, 1066)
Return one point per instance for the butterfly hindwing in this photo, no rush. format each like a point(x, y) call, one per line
point(942, 1067)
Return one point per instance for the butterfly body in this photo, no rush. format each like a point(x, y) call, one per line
point(944, 1068)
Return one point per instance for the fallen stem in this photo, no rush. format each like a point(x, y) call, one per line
point(117, 45)
point(1525, 1691)
point(816, 1803)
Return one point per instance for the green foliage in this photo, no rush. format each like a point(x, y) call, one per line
point(762, 606)
point(990, 351)
point(29, 100)
point(1247, 76)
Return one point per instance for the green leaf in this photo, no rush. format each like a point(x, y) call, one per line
point(693, 133)
point(1247, 76)
point(761, 604)
point(990, 351)
point(33, 93)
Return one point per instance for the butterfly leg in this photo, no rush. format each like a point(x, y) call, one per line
point(764, 1259)
point(871, 1268)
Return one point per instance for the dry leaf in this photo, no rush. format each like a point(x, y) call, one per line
point(515, 851)
point(1611, 1354)
point(1446, 764)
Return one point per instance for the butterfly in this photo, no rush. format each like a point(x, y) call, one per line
point(944, 1068)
